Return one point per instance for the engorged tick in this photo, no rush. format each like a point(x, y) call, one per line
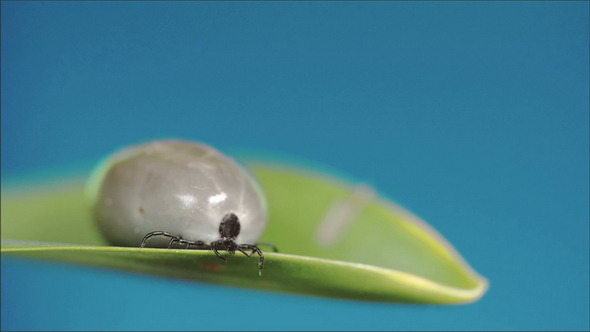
point(186, 191)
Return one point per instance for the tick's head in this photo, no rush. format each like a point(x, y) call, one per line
point(229, 227)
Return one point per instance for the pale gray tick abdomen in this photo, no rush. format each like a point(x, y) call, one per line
point(176, 186)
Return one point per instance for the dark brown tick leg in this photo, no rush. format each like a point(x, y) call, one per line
point(174, 239)
point(245, 253)
point(157, 233)
point(214, 249)
point(260, 254)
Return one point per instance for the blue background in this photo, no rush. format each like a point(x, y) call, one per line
point(473, 115)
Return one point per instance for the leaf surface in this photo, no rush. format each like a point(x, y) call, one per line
point(368, 248)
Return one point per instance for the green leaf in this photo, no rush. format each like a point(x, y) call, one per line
point(370, 249)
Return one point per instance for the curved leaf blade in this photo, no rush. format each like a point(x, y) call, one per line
point(385, 254)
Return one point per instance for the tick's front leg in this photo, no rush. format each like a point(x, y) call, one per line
point(214, 249)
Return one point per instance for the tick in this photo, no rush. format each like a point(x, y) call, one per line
point(179, 192)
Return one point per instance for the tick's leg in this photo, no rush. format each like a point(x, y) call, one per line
point(172, 240)
point(191, 243)
point(260, 254)
point(270, 245)
point(214, 249)
point(245, 253)
point(157, 233)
